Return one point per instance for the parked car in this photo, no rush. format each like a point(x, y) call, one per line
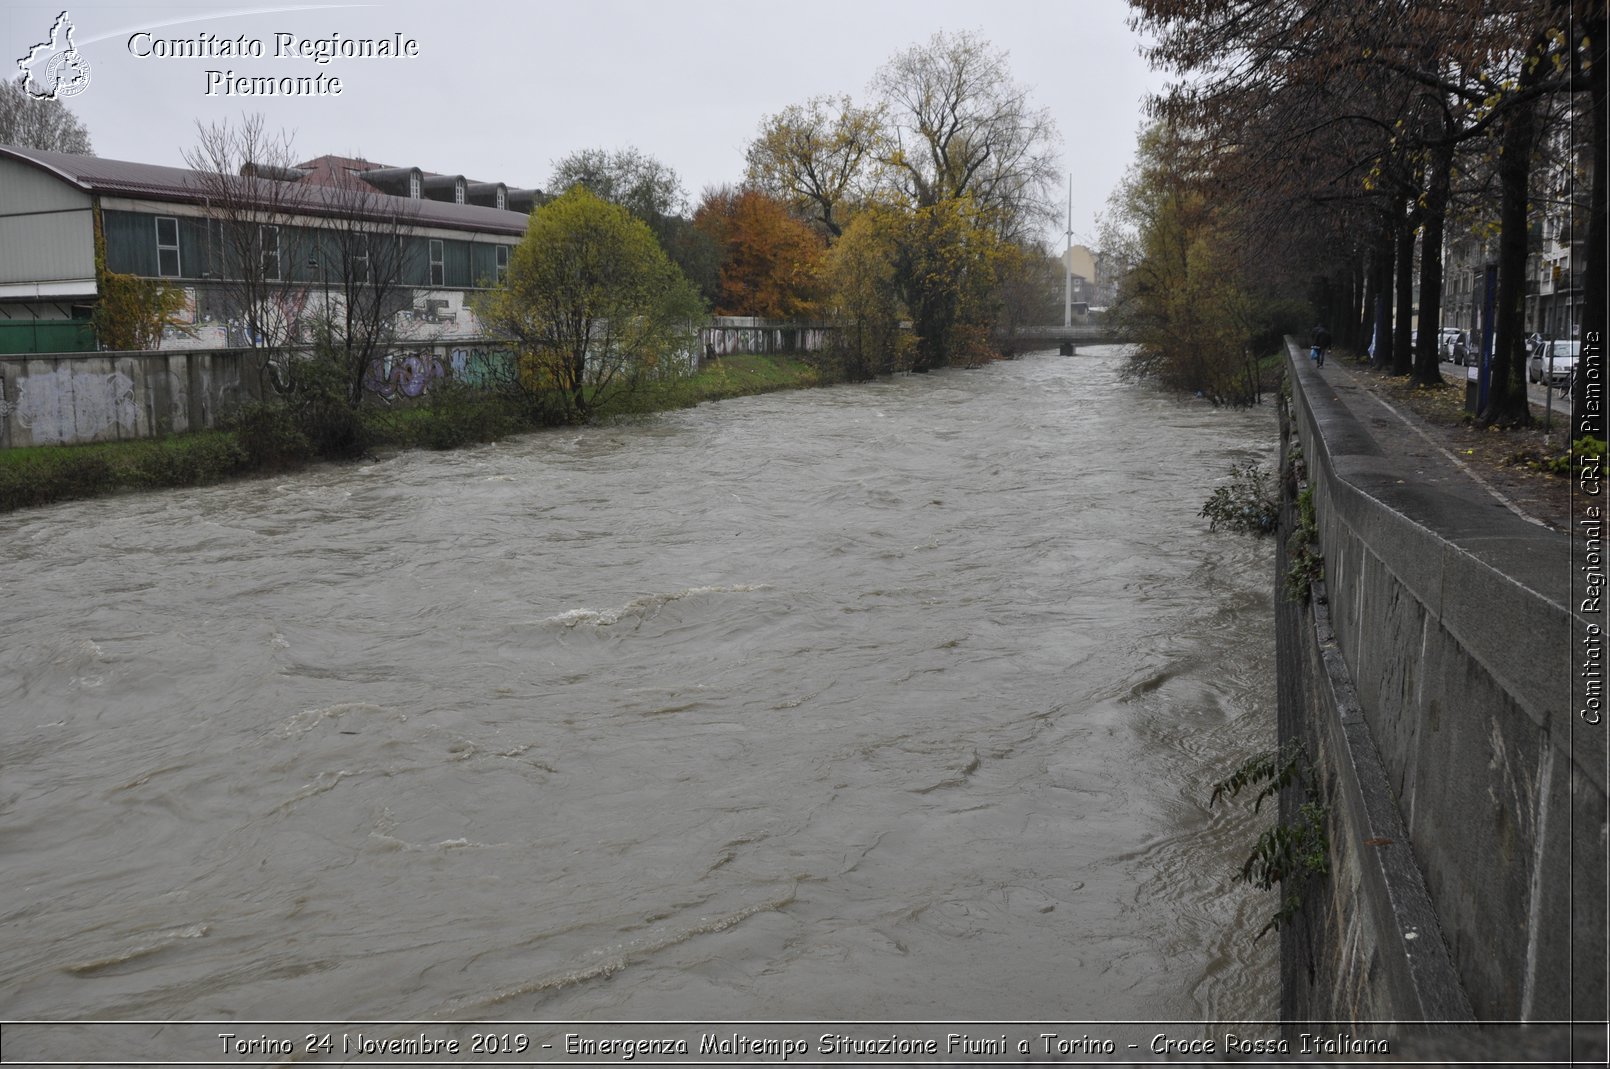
point(1552, 361)
point(1445, 339)
point(1459, 348)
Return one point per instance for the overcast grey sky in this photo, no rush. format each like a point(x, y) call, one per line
point(501, 89)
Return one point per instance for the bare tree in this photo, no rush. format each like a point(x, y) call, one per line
point(815, 156)
point(244, 180)
point(32, 122)
point(958, 126)
point(364, 255)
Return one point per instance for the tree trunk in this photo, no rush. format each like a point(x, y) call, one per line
point(1402, 336)
point(1363, 320)
point(1357, 299)
point(1506, 392)
point(1381, 327)
point(1426, 360)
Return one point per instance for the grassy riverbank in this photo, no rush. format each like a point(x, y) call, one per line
point(40, 475)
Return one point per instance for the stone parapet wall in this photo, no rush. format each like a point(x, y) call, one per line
point(1432, 688)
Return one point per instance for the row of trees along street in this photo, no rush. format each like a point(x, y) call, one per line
point(1343, 145)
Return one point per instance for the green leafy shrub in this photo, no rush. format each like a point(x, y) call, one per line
point(309, 417)
point(317, 401)
point(1273, 769)
point(53, 474)
point(1247, 504)
point(455, 415)
point(269, 436)
point(192, 460)
point(1305, 564)
point(1285, 855)
point(1290, 853)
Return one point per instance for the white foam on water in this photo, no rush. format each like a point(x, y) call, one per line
point(642, 608)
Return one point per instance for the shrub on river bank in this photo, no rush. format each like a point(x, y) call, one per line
point(277, 436)
point(43, 474)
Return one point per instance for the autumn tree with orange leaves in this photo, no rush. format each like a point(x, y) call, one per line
point(770, 259)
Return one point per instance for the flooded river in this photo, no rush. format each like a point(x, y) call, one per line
point(899, 701)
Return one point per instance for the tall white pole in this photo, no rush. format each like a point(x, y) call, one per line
point(1067, 263)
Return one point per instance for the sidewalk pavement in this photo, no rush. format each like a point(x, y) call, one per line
point(1404, 435)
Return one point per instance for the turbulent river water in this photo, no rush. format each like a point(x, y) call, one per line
point(898, 701)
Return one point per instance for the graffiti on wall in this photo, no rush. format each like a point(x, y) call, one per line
point(473, 367)
point(403, 374)
point(409, 373)
point(73, 406)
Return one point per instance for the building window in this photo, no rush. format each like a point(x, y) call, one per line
point(167, 246)
point(358, 258)
point(438, 271)
point(268, 239)
point(503, 263)
point(458, 191)
point(415, 186)
point(214, 267)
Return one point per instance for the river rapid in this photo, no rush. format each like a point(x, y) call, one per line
point(896, 701)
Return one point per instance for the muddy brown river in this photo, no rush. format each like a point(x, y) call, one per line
point(890, 702)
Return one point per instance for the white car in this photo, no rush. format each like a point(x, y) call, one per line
point(1446, 340)
point(1552, 361)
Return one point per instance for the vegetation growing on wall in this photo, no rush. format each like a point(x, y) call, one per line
point(1248, 503)
point(1294, 851)
point(1305, 564)
point(132, 313)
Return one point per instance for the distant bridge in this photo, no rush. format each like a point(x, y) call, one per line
point(1066, 338)
point(1091, 333)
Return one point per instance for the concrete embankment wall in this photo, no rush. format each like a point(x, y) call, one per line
point(1429, 680)
point(727, 335)
point(68, 398)
point(72, 398)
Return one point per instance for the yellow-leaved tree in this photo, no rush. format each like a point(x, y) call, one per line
point(591, 307)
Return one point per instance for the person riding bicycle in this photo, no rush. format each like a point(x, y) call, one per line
point(1321, 342)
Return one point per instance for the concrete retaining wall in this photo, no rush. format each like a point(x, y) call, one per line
point(1430, 681)
point(739, 334)
point(67, 398)
point(71, 398)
